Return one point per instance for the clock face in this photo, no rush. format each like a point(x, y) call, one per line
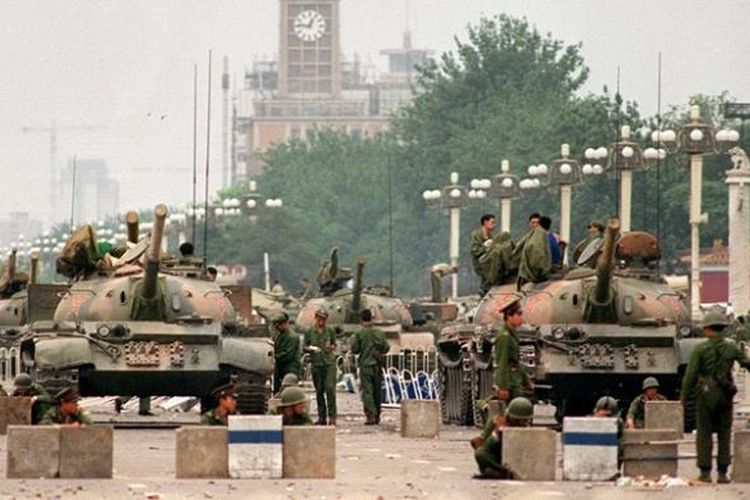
point(309, 25)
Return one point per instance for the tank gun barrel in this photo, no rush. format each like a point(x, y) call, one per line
point(34, 274)
point(131, 219)
point(358, 286)
point(148, 290)
point(605, 262)
point(12, 265)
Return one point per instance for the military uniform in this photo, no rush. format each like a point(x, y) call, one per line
point(371, 345)
point(42, 402)
point(437, 273)
point(479, 248)
point(637, 410)
point(55, 416)
point(323, 369)
point(489, 455)
point(710, 373)
point(212, 417)
point(535, 258)
point(297, 419)
point(509, 373)
point(286, 355)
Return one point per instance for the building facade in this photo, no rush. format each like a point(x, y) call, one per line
point(94, 194)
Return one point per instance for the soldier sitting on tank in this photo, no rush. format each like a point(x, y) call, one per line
point(636, 418)
point(533, 254)
point(480, 244)
point(41, 401)
point(488, 447)
point(588, 249)
point(67, 411)
point(293, 407)
point(226, 400)
point(187, 255)
point(331, 277)
point(437, 273)
point(556, 246)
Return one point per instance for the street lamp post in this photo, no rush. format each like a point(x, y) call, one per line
point(696, 139)
point(505, 188)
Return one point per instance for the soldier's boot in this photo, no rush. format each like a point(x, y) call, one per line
point(332, 420)
point(377, 419)
point(369, 419)
point(704, 476)
point(722, 478)
point(321, 421)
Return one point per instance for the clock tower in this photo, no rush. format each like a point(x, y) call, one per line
point(309, 49)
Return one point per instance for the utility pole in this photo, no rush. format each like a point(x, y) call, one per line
point(225, 180)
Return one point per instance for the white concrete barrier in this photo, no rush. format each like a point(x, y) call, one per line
point(590, 447)
point(255, 446)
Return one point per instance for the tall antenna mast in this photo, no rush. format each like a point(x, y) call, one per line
point(73, 195)
point(225, 178)
point(195, 144)
point(658, 163)
point(208, 161)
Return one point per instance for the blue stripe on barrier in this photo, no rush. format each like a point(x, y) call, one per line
point(255, 437)
point(589, 439)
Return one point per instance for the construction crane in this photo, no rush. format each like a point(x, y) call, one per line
point(53, 130)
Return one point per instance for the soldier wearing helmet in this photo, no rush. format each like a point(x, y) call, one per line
point(709, 378)
point(41, 401)
point(607, 407)
point(488, 447)
point(67, 411)
point(286, 349)
point(320, 342)
point(226, 405)
point(636, 418)
point(293, 407)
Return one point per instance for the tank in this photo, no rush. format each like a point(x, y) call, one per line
point(136, 329)
point(13, 296)
point(587, 333)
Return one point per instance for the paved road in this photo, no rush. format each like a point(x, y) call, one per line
point(371, 463)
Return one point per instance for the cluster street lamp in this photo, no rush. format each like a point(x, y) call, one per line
point(505, 187)
point(452, 197)
point(696, 139)
point(623, 157)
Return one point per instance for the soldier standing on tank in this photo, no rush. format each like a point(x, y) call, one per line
point(67, 411)
point(371, 346)
point(437, 273)
point(293, 407)
point(320, 342)
point(41, 401)
point(709, 378)
point(510, 376)
point(488, 447)
point(480, 243)
point(286, 349)
point(226, 405)
point(636, 418)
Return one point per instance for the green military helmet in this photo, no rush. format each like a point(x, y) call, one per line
point(292, 396)
point(650, 382)
point(290, 380)
point(322, 313)
point(521, 409)
point(279, 318)
point(606, 403)
point(714, 318)
point(22, 381)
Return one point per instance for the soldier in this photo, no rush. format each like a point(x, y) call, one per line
point(371, 346)
point(285, 349)
point(66, 412)
point(636, 418)
point(277, 288)
point(226, 405)
point(437, 273)
point(710, 373)
point(320, 342)
point(488, 447)
point(595, 233)
point(41, 401)
point(533, 254)
point(289, 380)
point(187, 255)
point(606, 406)
point(510, 377)
point(480, 242)
point(555, 246)
point(294, 407)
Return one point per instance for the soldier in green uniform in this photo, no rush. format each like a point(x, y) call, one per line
point(437, 273)
point(286, 349)
point(533, 254)
point(488, 447)
point(67, 411)
point(510, 376)
point(606, 406)
point(41, 401)
point(226, 405)
point(636, 418)
point(289, 380)
point(294, 407)
point(480, 243)
point(709, 378)
point(371, 346)
point(320, 342)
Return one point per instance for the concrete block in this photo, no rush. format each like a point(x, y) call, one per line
point(741, 457)
point(255, 446)
point(201, 452)
point(665, 415)
point(420, 418)
point(309, 452)
point(645, 452)
point(14, 411)
point(33, 451)
point(85, 452)
point(589, 448)
point(530, 453)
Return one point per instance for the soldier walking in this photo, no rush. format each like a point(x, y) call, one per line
point(371, 346)
point(320, 342)
point(286, 349)
point(510, 376)
point(709, 378)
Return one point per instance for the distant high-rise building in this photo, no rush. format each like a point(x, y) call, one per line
point(96, 194)
point(18, 224)
point(311, 86)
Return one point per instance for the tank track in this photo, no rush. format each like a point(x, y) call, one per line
point(252, 398)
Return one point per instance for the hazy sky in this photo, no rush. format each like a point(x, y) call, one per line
point(127, 66)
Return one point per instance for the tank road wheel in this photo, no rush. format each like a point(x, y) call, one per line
point(252, 398)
